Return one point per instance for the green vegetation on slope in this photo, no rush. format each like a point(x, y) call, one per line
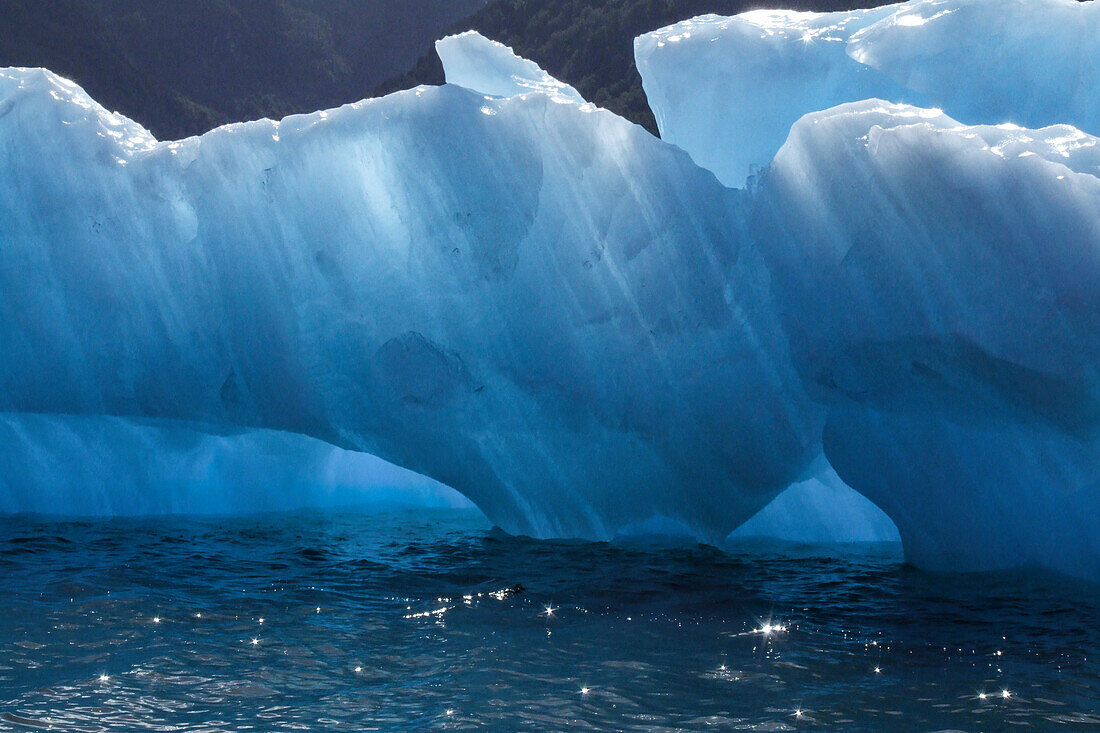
point(181, 67)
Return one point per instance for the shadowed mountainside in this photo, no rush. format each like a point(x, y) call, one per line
point(181, 68)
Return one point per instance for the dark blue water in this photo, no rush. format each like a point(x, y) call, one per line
point(351, 621)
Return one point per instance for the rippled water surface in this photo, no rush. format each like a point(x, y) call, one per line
point(351, 621)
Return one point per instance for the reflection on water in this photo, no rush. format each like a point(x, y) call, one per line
point(435, 620)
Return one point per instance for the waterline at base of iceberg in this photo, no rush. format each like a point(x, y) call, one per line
point(431, 618)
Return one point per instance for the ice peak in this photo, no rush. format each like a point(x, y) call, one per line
point(488, 67)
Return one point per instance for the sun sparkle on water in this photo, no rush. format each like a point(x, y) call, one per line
point(387, 633)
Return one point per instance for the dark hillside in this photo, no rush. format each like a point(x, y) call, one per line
point(590, 43)
point(71, 38)
point(181, 67)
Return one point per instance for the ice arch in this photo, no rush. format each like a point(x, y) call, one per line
point(820, 509)
point(271, 469)
point(87, 465)
point(92, 465)
point(476, 289)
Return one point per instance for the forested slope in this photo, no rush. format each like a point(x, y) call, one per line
point(182, 67)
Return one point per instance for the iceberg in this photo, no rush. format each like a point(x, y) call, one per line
point(728, 89)
point(116, 448)
point(537, 303)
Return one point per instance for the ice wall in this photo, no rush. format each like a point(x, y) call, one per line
point(818, 509)
point(940, 282)
point(941, 288)
point(728, 89)
point(536, 303)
